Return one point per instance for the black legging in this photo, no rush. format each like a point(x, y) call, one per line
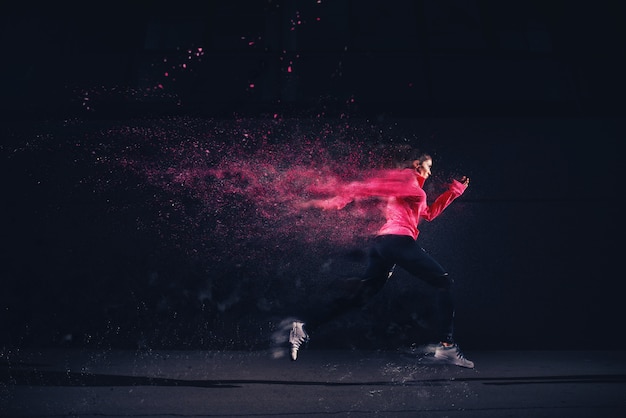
point(388, 251)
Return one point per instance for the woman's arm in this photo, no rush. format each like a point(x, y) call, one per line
point(456, 189)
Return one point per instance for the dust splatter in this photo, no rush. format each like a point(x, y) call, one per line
point(241, 185)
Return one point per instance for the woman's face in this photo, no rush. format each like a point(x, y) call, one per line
point(423, 168)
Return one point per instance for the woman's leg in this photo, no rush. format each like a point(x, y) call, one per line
point(406, 253)
point(349, 294)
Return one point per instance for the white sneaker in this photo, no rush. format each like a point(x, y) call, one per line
point(297, 337)
point(452, 355)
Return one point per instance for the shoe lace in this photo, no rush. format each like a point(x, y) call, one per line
point(459, 353)
point(297, 336)
point(461, 357)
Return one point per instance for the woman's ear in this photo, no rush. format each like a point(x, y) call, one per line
point(416, 164)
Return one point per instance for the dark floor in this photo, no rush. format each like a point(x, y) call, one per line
point(114, 383)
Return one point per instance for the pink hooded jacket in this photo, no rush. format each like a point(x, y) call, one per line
point(406, 204)
point(403, 213)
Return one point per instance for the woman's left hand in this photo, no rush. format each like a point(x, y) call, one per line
point(464, 181)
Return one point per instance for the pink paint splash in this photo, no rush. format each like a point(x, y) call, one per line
point(238, 190)
point(377, 184)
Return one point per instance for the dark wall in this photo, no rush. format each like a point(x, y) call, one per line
point(404, 58)
point(117, 234)
point(104, 106)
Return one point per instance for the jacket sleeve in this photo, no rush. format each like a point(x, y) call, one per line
point(455, 190)
point(386, 183)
